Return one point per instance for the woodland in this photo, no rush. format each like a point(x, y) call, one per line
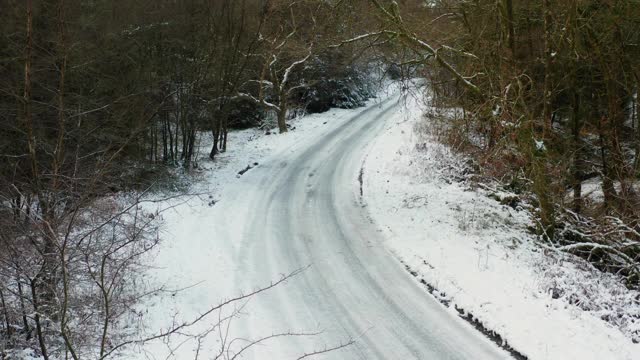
point(104, 105)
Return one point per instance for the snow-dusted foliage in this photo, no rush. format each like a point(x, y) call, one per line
point(576, 283)
point(346, 87)
point(73, 287)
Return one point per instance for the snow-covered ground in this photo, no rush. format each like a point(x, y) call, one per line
point(475, 253)
point(194, 260)
point(479, 257)
point(299, 207)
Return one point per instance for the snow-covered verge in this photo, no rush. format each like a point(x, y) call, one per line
point(475, 254)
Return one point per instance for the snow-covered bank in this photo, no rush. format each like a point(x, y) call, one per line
point(478, 255)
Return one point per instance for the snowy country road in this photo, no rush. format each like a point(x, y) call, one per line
point(304, 207)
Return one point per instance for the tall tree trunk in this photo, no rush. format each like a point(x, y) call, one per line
point(165, 139)
point(58, 154)
point(636, 122)
point(23, 309)
point(576, 113)
point(620, 168)
point(5, 311)
point(176, 137)
point(282, 113)
point(214, 148)
point(26, 101)
point(36, 310)
point(172, 154)
point(154, 143)
point(547, 88)
point(225, 133)
point(215, 132)
point(505, 8)
point(48, 270)
point(608, 189)
point(510, 27)
point(577, 152)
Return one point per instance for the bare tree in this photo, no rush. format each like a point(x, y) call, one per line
point(284, 55)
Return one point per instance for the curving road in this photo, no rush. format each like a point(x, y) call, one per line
point(303, 207)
